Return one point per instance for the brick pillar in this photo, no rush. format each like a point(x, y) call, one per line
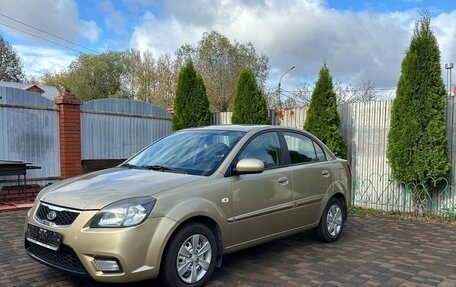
point(70, 134)
point(170, 109)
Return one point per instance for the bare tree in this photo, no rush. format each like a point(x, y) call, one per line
point(302, 95)
point(365, 92)
point(167, 77)
point(220, 61)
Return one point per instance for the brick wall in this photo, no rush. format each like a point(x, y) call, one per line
point(19, 193)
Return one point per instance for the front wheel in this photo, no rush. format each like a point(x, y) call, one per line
point(190, 257)
point(331, 221)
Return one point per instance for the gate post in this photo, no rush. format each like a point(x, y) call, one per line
point(70, 134)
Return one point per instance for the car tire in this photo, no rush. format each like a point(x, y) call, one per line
point(182, 265)
point(331, 222)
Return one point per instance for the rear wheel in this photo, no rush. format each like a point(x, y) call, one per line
point(190, 257)
point(331, 221)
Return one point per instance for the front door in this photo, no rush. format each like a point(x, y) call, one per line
point(261, 201)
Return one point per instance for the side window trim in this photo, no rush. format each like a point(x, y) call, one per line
point(236, 158)
point(323, 151)
point(315, 150)
point(284, 147)
point(314, 142)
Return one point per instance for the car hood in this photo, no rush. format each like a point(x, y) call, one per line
point(98, 189)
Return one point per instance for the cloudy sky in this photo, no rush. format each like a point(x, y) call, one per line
point(360, 40)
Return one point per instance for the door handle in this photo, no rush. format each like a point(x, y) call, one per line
point(325, 173)
point(283, 181)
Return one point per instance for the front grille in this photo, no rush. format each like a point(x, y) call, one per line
point(64, 217)
point(65, 258)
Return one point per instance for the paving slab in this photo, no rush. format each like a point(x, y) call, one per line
point(373, 251)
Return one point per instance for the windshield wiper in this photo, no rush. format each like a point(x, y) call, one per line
point(161, 168)
point(129, 165)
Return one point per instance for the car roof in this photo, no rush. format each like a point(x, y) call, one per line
point(241, 128)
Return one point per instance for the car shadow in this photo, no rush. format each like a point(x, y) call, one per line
point(232, 263)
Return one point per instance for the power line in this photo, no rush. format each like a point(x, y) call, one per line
point(39, 37)
point(50, 34)
point(349, 89)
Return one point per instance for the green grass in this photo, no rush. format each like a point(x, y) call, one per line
point(449, 218)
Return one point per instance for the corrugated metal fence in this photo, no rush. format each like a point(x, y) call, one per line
point(110, 129)
point(117, 128)
point(365, 128)
point(29, 132)
point(451, 133)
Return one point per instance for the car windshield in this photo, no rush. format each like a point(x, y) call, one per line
point(198, 152)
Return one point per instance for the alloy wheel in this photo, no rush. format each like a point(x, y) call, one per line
point(194, 258)
point(334, 220)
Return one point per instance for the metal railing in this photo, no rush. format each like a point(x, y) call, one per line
point(383, 192)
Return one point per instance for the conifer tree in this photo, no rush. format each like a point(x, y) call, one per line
point(191, 106)
point(417, 145)
point(249, 106)
point(322, 118)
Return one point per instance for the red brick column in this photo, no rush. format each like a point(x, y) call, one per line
point(70, 134)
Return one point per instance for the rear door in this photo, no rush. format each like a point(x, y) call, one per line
point(311, 174)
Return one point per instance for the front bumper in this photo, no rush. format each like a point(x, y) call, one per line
point(137, 249)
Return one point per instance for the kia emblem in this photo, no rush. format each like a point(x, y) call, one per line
point(51, 215)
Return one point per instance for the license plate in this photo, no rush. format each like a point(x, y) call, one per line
point(44, 237)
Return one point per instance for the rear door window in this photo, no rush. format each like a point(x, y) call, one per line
point(302, 149)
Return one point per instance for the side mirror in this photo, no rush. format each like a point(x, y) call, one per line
point(249, 166)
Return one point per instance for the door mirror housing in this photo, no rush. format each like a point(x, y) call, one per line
point(249, 166)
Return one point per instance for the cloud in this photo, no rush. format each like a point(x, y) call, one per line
point(59, 17)
point(90, 31)
point(357, 46)
point(445, 31)
point(114, 20)
point(138, 2)
point(204, 12)
point(40, 59)
point(163, 36)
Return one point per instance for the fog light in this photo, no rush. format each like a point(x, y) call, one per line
point(107, 265)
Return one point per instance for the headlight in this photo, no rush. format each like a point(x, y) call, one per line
point(124, 213)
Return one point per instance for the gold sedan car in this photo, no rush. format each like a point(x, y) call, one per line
point(175, 208)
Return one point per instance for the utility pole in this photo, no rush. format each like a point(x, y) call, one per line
point(279, 86)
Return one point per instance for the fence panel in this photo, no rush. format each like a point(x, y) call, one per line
point(221, 118)
point(290, 117)
point(365, 128)
point(117, 128)
point(29, 132)
point(451, 133)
